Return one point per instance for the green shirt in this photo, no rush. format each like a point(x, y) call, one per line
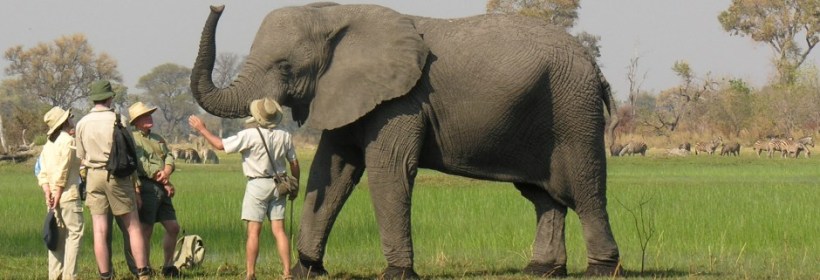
point(152, 152)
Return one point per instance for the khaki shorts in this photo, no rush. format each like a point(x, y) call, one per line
point(262, 199)
point(156, 205)
point(116, 194)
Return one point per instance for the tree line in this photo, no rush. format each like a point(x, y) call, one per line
point(57, 74)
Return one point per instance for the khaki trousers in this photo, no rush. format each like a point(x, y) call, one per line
point(62, 263)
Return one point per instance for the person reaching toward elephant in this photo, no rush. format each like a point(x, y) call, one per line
point(495, 97)
point(262, 192)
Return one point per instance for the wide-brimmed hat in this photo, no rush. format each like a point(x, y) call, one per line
point(100, 90)
point(55, 117)
point(265, 112)
point(137, 110)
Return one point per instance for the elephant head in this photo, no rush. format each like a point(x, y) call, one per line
point(311, 58)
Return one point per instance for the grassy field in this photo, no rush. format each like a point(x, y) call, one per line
point(713, 218)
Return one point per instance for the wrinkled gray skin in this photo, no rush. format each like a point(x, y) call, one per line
point(500, 98)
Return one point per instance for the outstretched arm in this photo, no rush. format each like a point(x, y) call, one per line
point(197, 124)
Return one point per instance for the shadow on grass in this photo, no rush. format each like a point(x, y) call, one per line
point(515, 273)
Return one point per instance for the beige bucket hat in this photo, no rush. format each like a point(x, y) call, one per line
point(265, 112)
point(138, 109)
point(55, 117)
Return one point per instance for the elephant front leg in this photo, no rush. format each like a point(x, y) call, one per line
point(549, 253)
point(335, 170)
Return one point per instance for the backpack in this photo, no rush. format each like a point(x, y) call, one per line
point(190, 252)
point(122, 160)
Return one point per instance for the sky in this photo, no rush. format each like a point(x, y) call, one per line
point(141, 35)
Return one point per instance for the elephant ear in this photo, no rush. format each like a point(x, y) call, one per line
point(376, 55)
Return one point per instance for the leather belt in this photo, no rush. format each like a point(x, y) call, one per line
point(261, 177)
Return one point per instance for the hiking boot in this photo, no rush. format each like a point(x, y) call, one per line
point(170, 271)
point(145, 273)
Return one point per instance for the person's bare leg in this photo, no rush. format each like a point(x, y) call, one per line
point(282, 245)
point(132, 223)
point(169, 241)
point(100, 226)
point(252, 247)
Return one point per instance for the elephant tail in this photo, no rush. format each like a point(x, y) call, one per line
point(609, 101)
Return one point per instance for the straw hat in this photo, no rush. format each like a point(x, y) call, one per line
point(139, 109)
point(55, 117)
point(266, 112)
point(100, 90)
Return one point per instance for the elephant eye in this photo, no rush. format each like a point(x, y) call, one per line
point(285, 68)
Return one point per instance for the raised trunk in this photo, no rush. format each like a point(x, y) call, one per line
point(230, 102)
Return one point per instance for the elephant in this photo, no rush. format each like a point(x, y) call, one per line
point(495, 97)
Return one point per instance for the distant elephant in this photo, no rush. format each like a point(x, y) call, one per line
point(634, 147)
point(495, 97)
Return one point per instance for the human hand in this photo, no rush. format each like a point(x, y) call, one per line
point(161, 177)
point(55, 199)
point(196, 123)
point(169, 189)
point(47, 193)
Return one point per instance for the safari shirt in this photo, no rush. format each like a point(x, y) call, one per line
point(60, 167)
point(255, 162)
point(94, 137)
point(153, 153)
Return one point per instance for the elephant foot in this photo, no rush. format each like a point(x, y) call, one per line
point(305, 269)
point(546, 270)
point(605, 270)
point(393, 272)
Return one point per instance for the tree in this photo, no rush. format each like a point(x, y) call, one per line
point(778, 24)
point(675, 103)
point(59, 73)
point(20, 117)
point(731, 111)
point(168, 87)
point(561, 13)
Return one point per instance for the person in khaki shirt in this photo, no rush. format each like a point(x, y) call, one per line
point(59, 176)
point(104, 192)
point(156, 166)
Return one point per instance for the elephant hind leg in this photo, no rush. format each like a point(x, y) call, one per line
point(549, 253)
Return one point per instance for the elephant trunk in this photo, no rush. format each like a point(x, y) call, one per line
point(230, 102)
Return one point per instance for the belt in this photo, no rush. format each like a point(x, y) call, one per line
point(261, 177)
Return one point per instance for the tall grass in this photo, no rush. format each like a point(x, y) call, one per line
point(716, 218)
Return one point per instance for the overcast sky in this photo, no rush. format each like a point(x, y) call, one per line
point(143, 34)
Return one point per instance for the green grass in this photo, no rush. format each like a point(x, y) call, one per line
point(715, 218)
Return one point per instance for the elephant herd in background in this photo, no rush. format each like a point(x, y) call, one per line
point(788, 147)
point(190, 155)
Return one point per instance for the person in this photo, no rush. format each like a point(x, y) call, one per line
point(261, 195)
point(156, 166)
point(104, 192)
point(58, 175)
